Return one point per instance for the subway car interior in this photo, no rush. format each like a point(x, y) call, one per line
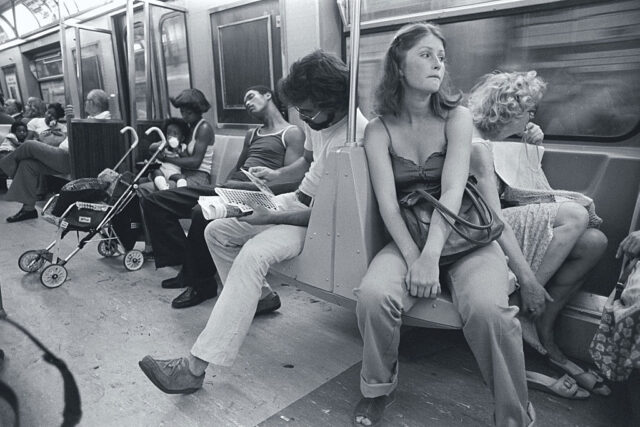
point(96, 303)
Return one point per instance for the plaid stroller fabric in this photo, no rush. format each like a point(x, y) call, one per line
point(615, 348)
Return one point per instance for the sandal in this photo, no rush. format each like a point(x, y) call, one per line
point(369, 411)
point(590, 380)
point(564, 386)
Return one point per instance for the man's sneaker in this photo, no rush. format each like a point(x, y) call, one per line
point(171, 376)
point(268, 304)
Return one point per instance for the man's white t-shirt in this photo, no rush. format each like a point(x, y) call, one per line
point(321, 143)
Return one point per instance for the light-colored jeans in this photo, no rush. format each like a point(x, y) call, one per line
point(479, 287)
point(243, 254)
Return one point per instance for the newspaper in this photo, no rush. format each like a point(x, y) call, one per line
point(214, 207)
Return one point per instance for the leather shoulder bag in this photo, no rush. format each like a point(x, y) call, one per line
point(474, 226)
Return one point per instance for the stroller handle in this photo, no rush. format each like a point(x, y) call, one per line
point(134, 144)
point(155, 154)
point(135, 135)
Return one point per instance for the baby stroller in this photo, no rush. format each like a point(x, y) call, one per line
point(116, 223)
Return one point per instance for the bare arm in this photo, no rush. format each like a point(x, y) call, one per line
point(455, 172)
point(532, 292)
point(204, 138)
point(261, 216)
point(376, 145)
point(293, 172)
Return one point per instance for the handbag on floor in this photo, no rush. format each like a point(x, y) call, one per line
point(474, 226)
point(615, 348)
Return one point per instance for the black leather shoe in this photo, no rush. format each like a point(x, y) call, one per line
point(174, 282)
point(190, 297)
point(268, 304)
point(22, 215)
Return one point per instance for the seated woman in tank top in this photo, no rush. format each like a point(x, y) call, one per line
point(424, 135)
point(195, 162)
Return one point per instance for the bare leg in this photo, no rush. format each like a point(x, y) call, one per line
point(570, 223)
point(567, 281)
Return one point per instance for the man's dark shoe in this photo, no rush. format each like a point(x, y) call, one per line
point(268, 304)
point(174, 282)
point(171, 376)
point(22, 215)
point(190, 297)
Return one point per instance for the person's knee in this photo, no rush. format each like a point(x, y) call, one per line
point(215, 233)
point(487, 313)
point(592, 243)
point(573, 215)
point(371, 298)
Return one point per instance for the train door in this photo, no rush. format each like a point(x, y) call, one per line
point(153, 45)
point(90, 63)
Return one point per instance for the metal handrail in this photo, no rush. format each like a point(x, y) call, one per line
point(353, 72)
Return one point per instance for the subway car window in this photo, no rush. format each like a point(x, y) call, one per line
point(382, 9)
point(589, 55)
point(141, 71)
point(175, 56)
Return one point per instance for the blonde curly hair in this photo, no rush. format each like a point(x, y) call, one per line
point(500, 97)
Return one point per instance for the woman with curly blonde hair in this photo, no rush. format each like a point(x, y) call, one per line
point(550, 237)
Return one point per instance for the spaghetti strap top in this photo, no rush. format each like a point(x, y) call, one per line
point(207, 160)
point(406, 172)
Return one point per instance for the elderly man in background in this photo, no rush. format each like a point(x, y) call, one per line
point(33, 158)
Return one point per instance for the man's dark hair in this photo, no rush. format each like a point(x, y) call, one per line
point(57, 108)
point(274, 97)
point(16, 125)
point(176, 121)
point(320, 77)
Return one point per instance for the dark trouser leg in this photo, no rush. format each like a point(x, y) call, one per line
point(162, 210)
point(198, 269)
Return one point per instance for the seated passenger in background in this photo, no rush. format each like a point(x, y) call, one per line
point(195, 162)
point(13, 140)
point(176, 131)
point(13, 107)
point(35, 107)
point(34, 116)
point(55, 132)
point(423, 136)
point(549, 237)
point(33, 158)
point(275, 144)
point(245, 248)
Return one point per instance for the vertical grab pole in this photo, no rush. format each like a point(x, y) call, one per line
point(354, 44)
point(131, 65)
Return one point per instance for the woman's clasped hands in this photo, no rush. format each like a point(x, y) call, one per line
point(423, 276)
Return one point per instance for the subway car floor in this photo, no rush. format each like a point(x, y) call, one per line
point(297, 367)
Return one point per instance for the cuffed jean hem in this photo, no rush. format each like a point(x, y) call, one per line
point(377, 390)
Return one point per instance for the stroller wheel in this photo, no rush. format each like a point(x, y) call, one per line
point(53, 276)
point(108, 248)
point(31, 261)
point(133, 260)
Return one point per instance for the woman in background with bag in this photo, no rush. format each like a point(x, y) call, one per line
point(421, 143)
point(550, 237)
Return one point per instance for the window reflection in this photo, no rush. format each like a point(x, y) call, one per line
point(589, 56)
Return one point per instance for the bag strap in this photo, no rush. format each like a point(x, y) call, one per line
point(486, 215)
point(627, 267)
